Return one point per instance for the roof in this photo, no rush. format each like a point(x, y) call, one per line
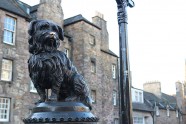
point(34, 8)
point(141, 107)
point(76, 19)
point(151, 100)
point(109, 52)
point(15, 7)
point(162, 103)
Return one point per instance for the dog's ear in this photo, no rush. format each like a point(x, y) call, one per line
point(61, 33)
point(32, 27)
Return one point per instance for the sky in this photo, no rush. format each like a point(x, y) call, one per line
point(156, 36)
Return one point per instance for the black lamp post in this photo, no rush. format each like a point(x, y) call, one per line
point(125, 84)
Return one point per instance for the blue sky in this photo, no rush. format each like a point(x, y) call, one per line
point(156, 36)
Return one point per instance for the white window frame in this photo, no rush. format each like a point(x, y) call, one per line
point(92, 40)
point(157, 110)
point(137, 120)
point(93, 96)
point(6, 24)
point(137, 95)
point(116, 121)
point(32, 88)
point(113, 71)
point(67, 52)
point(140, 97)
point(93, 66)
point(114, 98)
point(4, 109)
point(177, 114)
point(168, 111)
point(4, 69)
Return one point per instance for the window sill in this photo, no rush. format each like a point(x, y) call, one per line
point(10, 44)
point(116, 106)
point(35, 92)
point(4, 122)
point(93, 72)
point(10, 82)
point(93, 102)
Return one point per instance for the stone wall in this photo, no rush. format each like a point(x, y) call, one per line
point(82, 52)
point(164, 119)
point(101, 81)
point(99, 21)
point(17, 89)
point(148, 119)
point(51, 10)
point(180, 97)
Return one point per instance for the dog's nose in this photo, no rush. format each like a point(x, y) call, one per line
point(52, 33)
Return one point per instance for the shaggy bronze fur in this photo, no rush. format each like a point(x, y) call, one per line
point(50, 68)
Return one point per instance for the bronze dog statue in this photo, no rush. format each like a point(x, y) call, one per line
point(50, 68)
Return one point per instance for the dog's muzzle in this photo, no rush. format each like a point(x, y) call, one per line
point(52, 34)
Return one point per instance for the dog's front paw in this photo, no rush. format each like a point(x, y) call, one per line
point(53, 97)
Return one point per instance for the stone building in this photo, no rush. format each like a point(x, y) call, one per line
point(151, 106)
point(86, 44)
point(180, 96)
point(166, 107)
point(142, 112)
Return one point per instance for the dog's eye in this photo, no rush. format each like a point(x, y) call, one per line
point(55, 29)
point(44, 27)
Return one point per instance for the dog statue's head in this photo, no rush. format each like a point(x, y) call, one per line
point(45, 36)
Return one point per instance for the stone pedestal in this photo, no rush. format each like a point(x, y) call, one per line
point(61, 112)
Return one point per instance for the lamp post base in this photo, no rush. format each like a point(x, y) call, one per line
point(61, 112)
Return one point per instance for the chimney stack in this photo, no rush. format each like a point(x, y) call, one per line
point(153, 87)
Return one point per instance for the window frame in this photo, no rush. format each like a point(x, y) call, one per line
point(114, 71)
point(92, 40)
point(7, 109)
point(114, 96)
point(116, 120)
point(157, 111)
point(168, 111)
point(137, 96)
point(177, 113)
point(93, 66)
point(137, 121)
point(10, 71)
point(67, 52)
point(13, 32)
point(93, 92)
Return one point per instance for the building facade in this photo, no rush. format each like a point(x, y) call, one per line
point(151, 106)
point(142, 112)
point(180, 96)
point(166, 107)
point(86, 44)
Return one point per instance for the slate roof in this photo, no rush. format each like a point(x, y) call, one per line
point(34, 8)
point(13, 6)
point(163, 102)
point(109, 52)
point(151, 100)
point(141, 107)
point(76, 19)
